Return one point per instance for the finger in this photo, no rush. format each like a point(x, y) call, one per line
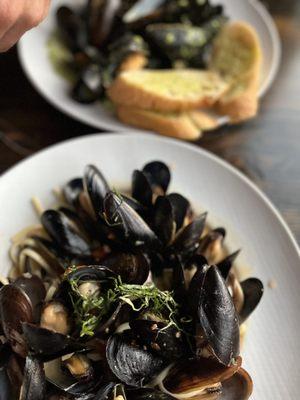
point(12, 36)
point(10, 11)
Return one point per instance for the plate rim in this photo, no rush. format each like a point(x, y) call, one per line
point(275, 65)
point(177, 143)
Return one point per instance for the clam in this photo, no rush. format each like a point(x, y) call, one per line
point(197, 377)
point(129, 362)
point(20, 301)
point(218, 318)
point(238, 387)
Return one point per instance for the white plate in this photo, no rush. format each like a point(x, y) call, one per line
point(34, 59)
point(272, 350)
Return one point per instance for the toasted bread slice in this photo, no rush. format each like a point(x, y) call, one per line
point(167, 90)
point(237, 57)
point(178, 125)
point(203, 120)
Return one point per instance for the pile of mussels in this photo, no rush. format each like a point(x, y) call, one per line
point(108, 36)
point(134, 299)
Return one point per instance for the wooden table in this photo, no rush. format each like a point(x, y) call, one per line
point(266, 149)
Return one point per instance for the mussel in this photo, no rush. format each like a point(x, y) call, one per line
point(72, 29)
point(89, 87)
point(218, 318)
point(34, 384)
point(96, 187)
point(195, 377)
point(20, 301)
point(129, 362)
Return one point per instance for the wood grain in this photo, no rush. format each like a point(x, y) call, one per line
point(266, 149)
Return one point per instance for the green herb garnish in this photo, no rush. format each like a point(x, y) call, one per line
point(89, 311)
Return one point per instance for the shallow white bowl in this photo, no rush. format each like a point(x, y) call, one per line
point(272, 350)
point(35, 61)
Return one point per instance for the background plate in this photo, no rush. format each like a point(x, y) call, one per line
point(272, 350)
point(35, 62)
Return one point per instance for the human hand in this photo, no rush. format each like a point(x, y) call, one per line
point(17, 17)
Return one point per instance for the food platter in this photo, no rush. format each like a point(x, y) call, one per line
point(252, 222)
point(34, 58)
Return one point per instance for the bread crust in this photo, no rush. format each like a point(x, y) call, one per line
point(179, 125)
point(124, 92)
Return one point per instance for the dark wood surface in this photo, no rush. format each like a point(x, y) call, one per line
point(266, 149)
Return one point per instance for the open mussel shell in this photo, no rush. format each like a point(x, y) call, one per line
point(159, 176)
point(163, 219)
point(226, 264)
point(48, 345)
point(20, 302)
point(128, 222)
point(34, 383)
point(129, 362)
point(166, 341)
point(192, 377)
point(102, 19)
point(196, 284)
point(72, 190)
point(253, 290)
point(181, 208)
point(211, 245)
point(111, 391)
point(71, 28)
point(238, 387)
point(92, 273)
point(132, 268)
point(6, 386)
point(89, 86)
point(141, 188)
point(96, 186)
point(218, 318)
point(65, 233)
point(187, 239)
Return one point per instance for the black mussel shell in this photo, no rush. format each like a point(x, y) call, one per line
point(130, 363)
point(48, 345)
point(98, 273)
point(166, 341)
point(121, 216)
point(253, 290)
point(181, 208)
point(141, 9)
point(72, 190)
point(194, 374)
point(163, 219)
point(89, 86)
point(218, 318)
point(17, 306)
point(178, 283)
point(6, 387)
point(97, 188)
point(196, 284)
point(159, 176)
point(81, 389)
point(210, 245)
point(147, 394)
point(187, 240)
point(226, 264)
point(238, 387)
point(102, 19)
point(132, 268)
point(141, 188)
point(71, 28)
point(63, 232)
point(137, 206)
point(34, 383)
